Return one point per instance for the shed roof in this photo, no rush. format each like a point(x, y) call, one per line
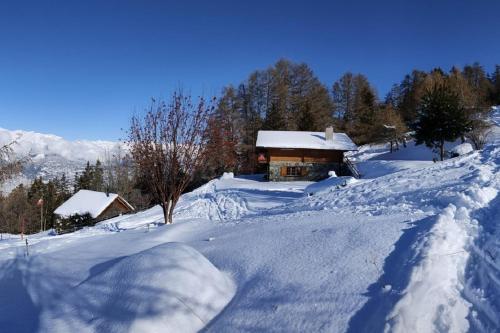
point(307, 140)
point(86, 201)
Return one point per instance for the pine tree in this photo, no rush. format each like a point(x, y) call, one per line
point(495, 81)
point(275, 119)
point(83, 180)
point(97, 177)
point(440, 118)
point(92, 178)
point(411, 90)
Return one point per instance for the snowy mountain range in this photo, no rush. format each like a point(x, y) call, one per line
point(50, 155)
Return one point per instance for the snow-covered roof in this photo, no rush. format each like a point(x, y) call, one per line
point(86, 201)
point(300, 139)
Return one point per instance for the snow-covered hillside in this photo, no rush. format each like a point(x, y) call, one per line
point(412, 247)
point(50, 155)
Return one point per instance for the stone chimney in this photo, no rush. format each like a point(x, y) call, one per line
point(329, 133)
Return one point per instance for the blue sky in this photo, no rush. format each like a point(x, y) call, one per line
point(80, 69)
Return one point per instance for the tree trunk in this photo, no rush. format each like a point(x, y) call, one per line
point(166, 212)
point(171, 206)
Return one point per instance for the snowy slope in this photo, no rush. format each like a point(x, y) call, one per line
point(411, 249)
point(50, 155)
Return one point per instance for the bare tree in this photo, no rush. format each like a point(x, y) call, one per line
point(479, 133)
point(390, 128)
point(168, 146)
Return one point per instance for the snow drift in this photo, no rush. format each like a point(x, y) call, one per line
point(329, 184)
point(168, 288)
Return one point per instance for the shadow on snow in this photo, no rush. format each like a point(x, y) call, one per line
point(396, 273)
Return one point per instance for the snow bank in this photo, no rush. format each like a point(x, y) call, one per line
point(374, 169)
point(412, 152)
point(329, 184)
point(229, 198)
point(462, 149)
point(433, 301)
point(168, 288)
point(227, 175)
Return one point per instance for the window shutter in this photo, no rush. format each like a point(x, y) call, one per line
point(283, 171)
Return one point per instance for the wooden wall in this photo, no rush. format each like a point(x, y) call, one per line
point(115, 209)
point(305, 155)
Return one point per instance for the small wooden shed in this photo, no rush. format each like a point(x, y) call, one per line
point(99, 205)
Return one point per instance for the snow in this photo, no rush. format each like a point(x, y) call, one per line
point(329, 184)
point(227, 175)
point(462, 149)
point(411, 247)
point(86, 201)
point(232, 198)
point(301, 139)
point(168, 288)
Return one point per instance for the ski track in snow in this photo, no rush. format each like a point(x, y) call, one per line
point(413, 247)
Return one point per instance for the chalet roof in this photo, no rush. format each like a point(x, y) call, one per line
point(86, 201)
point(307, 140)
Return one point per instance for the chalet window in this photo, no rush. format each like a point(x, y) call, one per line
point(293, 171)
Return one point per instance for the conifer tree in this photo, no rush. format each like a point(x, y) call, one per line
point(97, 177)
point(440, 118)
point(495, 80)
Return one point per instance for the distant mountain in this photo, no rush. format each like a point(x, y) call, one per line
point(50, 155)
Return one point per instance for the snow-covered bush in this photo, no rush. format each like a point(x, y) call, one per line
point(73, 223)
point(227, 175)
point(461, 149)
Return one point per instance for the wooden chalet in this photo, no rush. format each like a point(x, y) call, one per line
point(298, 155)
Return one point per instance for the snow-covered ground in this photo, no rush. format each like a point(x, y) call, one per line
point(413, 246)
